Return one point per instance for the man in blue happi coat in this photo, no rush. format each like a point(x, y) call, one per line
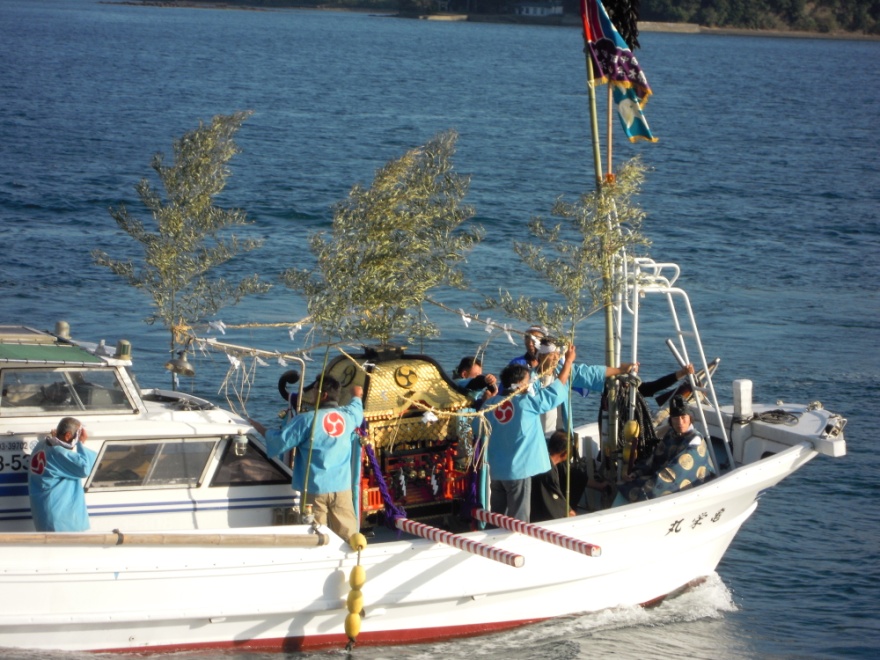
point(680, 460)
point(326, 455)
point(516, 449)
point(469, 375)
point(591, 377)
point(58, 464)
point(585, 378)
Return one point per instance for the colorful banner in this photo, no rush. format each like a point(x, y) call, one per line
point(614, 63)
point(629, 109)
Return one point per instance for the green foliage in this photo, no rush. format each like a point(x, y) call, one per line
point(189, 239)
point(578, 256)
point(816, 16)
point(389, 245)
point(417, 6)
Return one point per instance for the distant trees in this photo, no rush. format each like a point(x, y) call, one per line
point(813, 16)
point(816, 16)
point(463, 6)
point(416, 6)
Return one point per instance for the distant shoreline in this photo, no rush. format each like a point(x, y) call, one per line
point(565, 21)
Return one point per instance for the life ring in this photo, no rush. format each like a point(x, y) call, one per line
point(287, 378)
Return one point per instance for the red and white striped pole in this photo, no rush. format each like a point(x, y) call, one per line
point(536, 532)
point(460, 542)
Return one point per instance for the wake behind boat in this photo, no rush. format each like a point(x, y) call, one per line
point(191, 544)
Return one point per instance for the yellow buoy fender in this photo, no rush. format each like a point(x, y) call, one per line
point(631, 430)
point(358, 541)
point(352, 625)
point(355, 602)
point(358, 577)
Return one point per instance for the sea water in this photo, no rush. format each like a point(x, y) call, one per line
point(764, 186)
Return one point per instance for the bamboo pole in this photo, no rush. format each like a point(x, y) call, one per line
point(460, 542)
point(594, 117)
point(610, 122)
point(165, 538)
point(610, 353)
point(540, 533)
point(211, 342)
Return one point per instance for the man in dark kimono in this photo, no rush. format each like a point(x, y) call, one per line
point(680, 460)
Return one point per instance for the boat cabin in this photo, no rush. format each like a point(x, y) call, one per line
point(166, 459)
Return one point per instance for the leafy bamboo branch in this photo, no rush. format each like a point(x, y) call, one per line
point(578, 256)
point(389, 246)
point(188, 236)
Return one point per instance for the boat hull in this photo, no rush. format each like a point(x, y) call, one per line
point(203, 596)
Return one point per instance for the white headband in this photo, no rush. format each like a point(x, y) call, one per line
point(543, 349)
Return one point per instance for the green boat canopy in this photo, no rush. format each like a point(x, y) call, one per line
point(47, 354)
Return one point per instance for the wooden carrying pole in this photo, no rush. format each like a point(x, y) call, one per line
point(460, 542)
point(536, 532)
point(154, 539)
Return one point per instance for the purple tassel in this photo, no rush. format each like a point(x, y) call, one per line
point(471, 501)
point(392, 511)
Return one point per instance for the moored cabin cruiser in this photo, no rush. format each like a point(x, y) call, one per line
point(166, 460)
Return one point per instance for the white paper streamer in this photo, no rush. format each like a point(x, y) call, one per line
point(509, 336)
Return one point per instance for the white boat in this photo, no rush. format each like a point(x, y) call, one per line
point(187, 551)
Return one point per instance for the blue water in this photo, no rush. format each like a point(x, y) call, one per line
point(765, 187)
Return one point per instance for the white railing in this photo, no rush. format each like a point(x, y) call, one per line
point(645, 276)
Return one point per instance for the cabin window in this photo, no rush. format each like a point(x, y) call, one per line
point(61, 392)
point(152, 464)
point(252, 468)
